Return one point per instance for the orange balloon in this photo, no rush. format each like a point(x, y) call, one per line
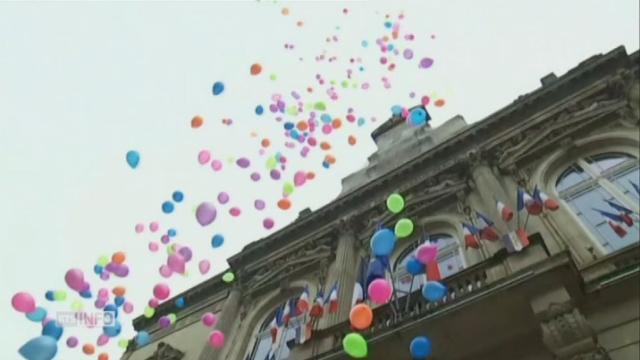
point(265, 142)
point(311, 175)
point(439, 103)
point(361, 316)
point(103, 356)
point(300, 23)
point(330, 159)
point(118, 257)
point(336, 123)
point(352, 140)
point(119, 290)
point(309, 89)
point(302, 125)
point(325, 145)
point(284, 204)
point(285, 11)
point(256, 69)
point(197, 121)
point(88, 349)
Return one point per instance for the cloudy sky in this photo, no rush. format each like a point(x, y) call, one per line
point(83, 83)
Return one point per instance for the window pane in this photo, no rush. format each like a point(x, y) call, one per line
point(607, 161)
point(450, 265)
point(572, 176)
point(262, 348)
point(624, 182)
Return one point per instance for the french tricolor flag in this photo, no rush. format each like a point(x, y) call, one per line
point(317, 310)
point(625, 213)
point(505, 212)
point(614, 222)
point(549, 203)
point(303, 301)
point(286, 313)
point(487, 230)
point(526, 201)
point(470, 236)
point(333, 299)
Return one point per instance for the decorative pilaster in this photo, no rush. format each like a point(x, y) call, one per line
point(227, 318)
point(344, 271)
point(565, 330)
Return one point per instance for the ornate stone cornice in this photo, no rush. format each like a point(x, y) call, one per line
point(166, 352)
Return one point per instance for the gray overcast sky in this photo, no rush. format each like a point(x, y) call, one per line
point(82, 83)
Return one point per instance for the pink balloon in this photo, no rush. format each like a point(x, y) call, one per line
point(426, 252)
point(139, 228)
point(74, 279)
point(204, 156)
point(216, 339)
point(72, 341)
point(326, 129)
point(154, 226)
point(153, 303)
point(102, 340)
point(105, 275)
point(299, 178)
point(176, 262)
point(268, 223)
point(103, 293)
point(100, 303)
point(235, 211)
point(165, 271)
point(209, 319)
point(127, 307)
point(216, 165)
point(161, 291)
point(204, 266)
point(153, 246)
point(23, 302)
point(223, 198)
point(380, 291)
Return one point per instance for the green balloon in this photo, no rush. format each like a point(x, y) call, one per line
point(60, 295)
point(288, 188)
point(404, 228)
point(395, 203)
point(172, 317)
point(123, 343)
point(103, 260)
point(320, 106)
point(228, 277)
point(272, 163)
point(149, 312)
point(76, 305)
point(355, 345)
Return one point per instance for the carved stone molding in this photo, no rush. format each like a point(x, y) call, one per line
point(166, 352)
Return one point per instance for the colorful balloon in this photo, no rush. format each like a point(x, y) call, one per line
point(414, 266)
point(427, 252)
point(197, 121)
point(403, 228)
point(206, 213)
point(268, 223)
point(395, 203)
point(216, 339)
point(223, 197)
point(218, 88)
point(204, 266)
point(37, 315)
point(72, 342)
point(434, 291)
point(383, 242)
point(143, 338)
point(203, 157)
point(209, 319)
point(161, 291)
point(23, 302)
point(361, 316)
point(167, 207)
point(355, 345)
point(39, 348)
point(228, 277)
point(133, 158)
point(53, 329)
point(426, 63)
point(88, 349)
point(217, 240)
point(259, 204)
point(420, 347)
point(380, 291)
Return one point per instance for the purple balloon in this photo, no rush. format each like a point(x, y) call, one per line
point(243, 162)
point(186, 253)
point(223, 198)
point(74, 279)
point(206, 213)
point(105, 275)
point(100, 303)
point(408, 54)
point(122, 271)
point(255, 176)
point(111, 267)
point(259, 204)
point(165, 239)
point(426, 63)
point(164, 322)
point(72, 341)
point(275, 174)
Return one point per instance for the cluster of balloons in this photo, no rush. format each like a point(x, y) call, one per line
point(104, 268)
point(168, 206)
point(75, 280)
point(177, 258)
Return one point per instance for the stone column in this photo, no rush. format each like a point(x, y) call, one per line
point(227, 318)
point(344, 271)
point(565, 330)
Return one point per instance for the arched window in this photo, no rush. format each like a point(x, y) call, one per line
point(450, 261)
point(590, 182)
point(262, 348)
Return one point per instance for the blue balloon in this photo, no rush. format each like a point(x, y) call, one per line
point(325, 164)
point(113, 330)
point(390, 47)
point(119, 300)
point(172, 232)
point(288, 125)
point(420, 347)
point(98, 269)
point(39, 348)
point(259, 110)
point(180, 302)
point(37, 315)
point(217, 240)
point(434, 291)
point(396, 110)
point(375, 270)
point(133, 158)
point(52, 329)
point(414, 266)
point(360, 121)
point(177, 196)
point(143, 338)
point(418, 116)
point(294, 134)
point(383, 242)
point(49, 295)
point(217, 88)
point(86, 294)
point(111, 308)
point(326, 118)
point(167, 207)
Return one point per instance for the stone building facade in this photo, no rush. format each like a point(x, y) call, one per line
point(573, 293)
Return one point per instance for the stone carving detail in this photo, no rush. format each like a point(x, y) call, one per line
point(166, 352)
point(567, 333)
